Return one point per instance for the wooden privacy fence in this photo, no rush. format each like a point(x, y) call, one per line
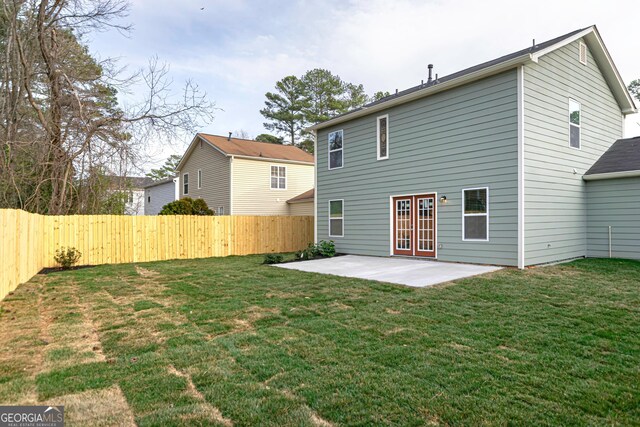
point(28, 242)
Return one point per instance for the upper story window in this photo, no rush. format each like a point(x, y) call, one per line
point(582, 53)
point(335, 149)
point(574, 123)
point(383, 137)
point(199, 179)
point(475, 214)
point(185, 183)
point(278, 177)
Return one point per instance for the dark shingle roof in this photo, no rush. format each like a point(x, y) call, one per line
point(622, 156)
point(475, 68)
point(133, 182)
point(162, 181)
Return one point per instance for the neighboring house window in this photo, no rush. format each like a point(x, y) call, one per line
point(475, 214)
point(336, 218)
point(574, 123)
point(199, 179)
point(185, 183)
point(582, 53)
point(130, 197)
point(278, 177)
point(220, 210)
point(383, 137)
point(335, 149)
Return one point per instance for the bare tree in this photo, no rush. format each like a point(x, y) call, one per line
point(61, 123)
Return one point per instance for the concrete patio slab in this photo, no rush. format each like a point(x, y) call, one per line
point(403, 271)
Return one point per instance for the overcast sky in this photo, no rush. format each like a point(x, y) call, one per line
point(236, 50)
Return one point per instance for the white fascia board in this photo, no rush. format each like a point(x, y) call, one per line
point(603, 58)
point(272, 160)
point(569, 40)
point(430, 90)
point(612, 175)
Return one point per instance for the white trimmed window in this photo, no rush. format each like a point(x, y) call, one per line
point(582, 53)
point(199, 179)
point(278, 177)
point(220, 210)
point(336, 218)
point(336, 149)
point(574, 123)
point(185, 183)
point(475, 214)
point(383, 137)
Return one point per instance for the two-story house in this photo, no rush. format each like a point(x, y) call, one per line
point(485, 165)
point(244, 177)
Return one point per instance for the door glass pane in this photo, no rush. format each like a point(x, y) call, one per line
point(403, 224)
point(425, 224)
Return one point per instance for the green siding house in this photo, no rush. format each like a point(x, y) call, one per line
point(486, 165)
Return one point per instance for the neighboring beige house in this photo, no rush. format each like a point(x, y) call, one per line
point(244, 177)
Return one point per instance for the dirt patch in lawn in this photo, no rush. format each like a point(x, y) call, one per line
point(106, 407)
point(317, 421)
point(204, 408)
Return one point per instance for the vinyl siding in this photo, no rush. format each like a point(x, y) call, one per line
point(160, 195)
point(555, 196)
point(303, 209)
point(461, 138)
point(215, 176)
point(252, 193)
point(615, 203)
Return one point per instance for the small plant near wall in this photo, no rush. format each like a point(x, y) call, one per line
point(326, 249)
point(67, 257)
point(273, 259)
point(322, 249)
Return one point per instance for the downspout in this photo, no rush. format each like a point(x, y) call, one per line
point(609, 241)
point(315, 186)
point(231, 185)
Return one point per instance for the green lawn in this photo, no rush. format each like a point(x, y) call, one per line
point(230, 341)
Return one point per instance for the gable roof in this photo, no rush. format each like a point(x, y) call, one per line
point(238, 147)
point(160, 182)
point(620, 160)
point(129, 182)
point(531, 54)
point(307, 196)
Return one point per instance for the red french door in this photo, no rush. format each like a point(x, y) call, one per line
point(414, 225)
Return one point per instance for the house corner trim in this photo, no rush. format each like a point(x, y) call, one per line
point(521, 205)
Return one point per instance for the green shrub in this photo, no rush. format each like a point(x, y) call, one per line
point(186, 206)
point(326, 249)
point(67, 257)
point(321, 249)
point(273, 259)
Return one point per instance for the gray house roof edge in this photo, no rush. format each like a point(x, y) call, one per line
point(482, 70)
point(621, 160)
point(162, 181)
